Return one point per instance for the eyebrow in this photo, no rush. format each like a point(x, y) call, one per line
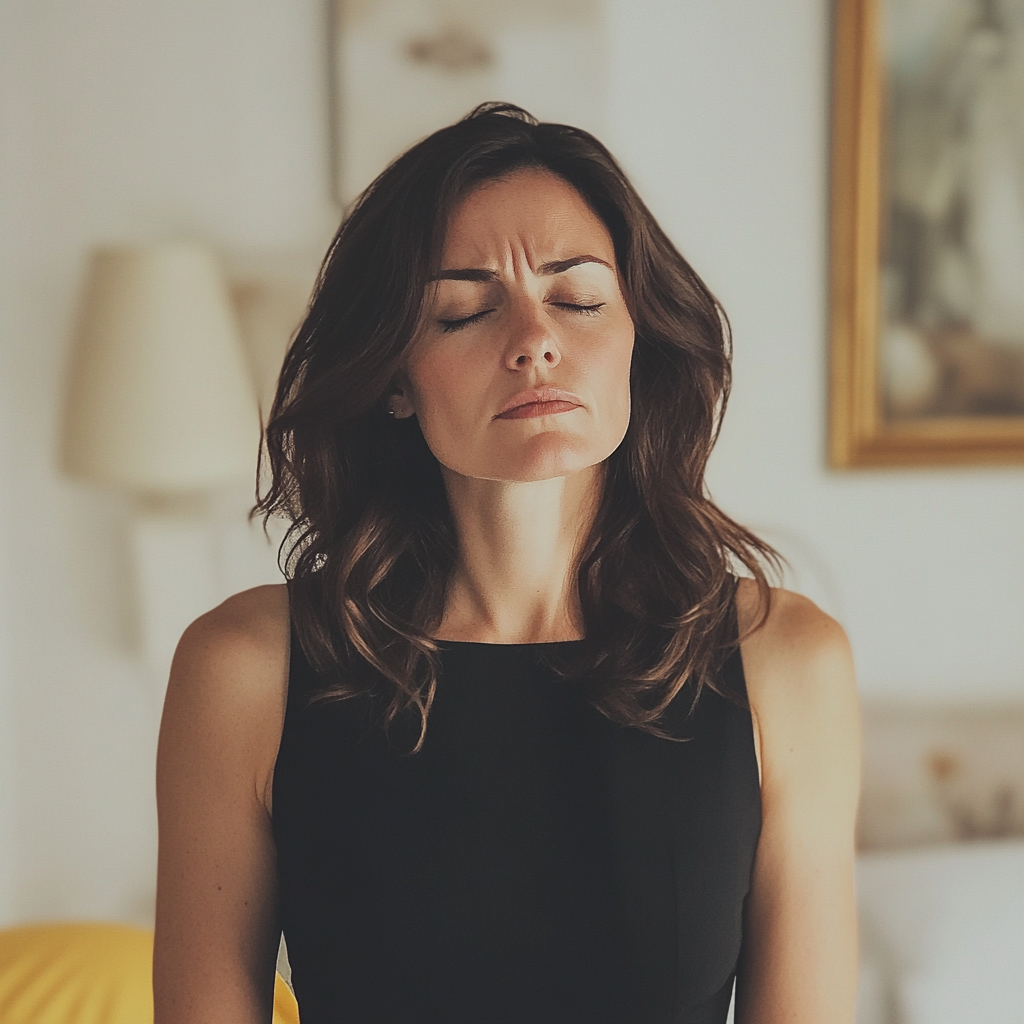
point(546, 269)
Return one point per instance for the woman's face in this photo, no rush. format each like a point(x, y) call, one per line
point(528, 298)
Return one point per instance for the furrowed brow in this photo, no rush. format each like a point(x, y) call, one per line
point(546, 269)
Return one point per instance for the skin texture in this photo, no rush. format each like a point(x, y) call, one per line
point(522, 492)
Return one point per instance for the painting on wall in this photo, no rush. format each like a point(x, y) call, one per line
point(404, 68)
point(927, 240)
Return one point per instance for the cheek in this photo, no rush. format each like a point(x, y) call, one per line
point(619, 357)
point(445, 391)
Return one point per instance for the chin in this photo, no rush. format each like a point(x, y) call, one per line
point(543, 462)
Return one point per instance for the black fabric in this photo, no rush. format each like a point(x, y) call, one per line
point(533, 864)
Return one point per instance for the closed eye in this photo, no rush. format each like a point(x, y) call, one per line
point(456, 325)
point(447, 326)
point(576, 307)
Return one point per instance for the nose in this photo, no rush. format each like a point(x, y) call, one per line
point(531, 339)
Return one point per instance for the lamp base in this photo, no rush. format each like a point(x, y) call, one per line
point(175, 557)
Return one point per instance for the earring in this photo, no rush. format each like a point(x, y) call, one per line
point(391, 412)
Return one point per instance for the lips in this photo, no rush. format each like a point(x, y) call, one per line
point(539, 395)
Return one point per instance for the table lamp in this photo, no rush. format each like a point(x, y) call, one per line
point(160, 399)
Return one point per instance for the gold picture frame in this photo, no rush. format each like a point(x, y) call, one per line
point(862, 431)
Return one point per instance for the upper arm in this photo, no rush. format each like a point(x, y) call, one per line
point(800, 946)
point(217, 930)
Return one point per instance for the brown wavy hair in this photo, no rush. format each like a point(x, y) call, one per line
point(372, 542)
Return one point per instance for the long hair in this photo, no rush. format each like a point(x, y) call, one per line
point(372, 541)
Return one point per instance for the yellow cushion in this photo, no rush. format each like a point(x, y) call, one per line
point(286, 1010)
point(87, 973)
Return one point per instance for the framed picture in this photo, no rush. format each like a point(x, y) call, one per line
point(927, 233)
point(401, 69)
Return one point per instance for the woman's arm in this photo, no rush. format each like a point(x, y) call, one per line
point(217, 930)
point(799, 962)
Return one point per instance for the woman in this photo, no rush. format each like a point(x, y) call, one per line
point(514, 743)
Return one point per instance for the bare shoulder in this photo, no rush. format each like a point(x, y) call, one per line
point(250, 624)
point(228, 684)
point(236, 645)
point(799, 654)
point(801, 685)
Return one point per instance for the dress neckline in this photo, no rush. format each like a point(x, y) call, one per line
point(484, 643)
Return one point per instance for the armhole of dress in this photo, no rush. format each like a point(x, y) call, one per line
point(755, 738)
point(731, 678)
point(289, 712)
point(734, 684)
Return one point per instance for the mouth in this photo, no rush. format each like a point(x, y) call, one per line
point(539, 402)
point(531, 409)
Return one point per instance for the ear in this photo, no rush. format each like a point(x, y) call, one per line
point(398, 400)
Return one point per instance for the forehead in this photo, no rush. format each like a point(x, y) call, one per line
point(529, 208)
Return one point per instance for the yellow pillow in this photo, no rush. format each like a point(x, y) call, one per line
point(88, 973)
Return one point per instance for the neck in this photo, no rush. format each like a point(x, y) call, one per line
point(515, 581)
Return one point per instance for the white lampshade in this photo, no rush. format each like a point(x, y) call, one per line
point(160, 399)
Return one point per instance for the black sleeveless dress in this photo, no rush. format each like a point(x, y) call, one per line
point(534, 864)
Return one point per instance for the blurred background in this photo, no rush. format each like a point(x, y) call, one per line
point(236, 130)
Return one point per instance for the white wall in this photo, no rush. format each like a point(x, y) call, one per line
point(125, 119)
